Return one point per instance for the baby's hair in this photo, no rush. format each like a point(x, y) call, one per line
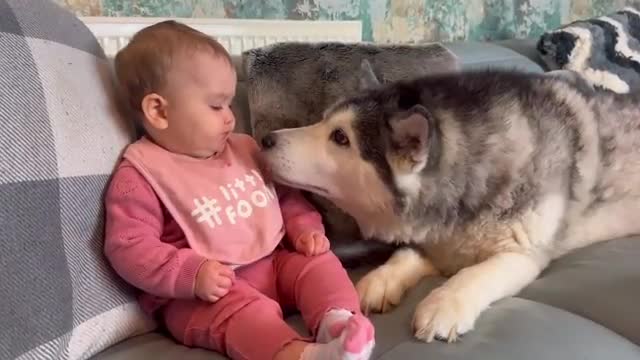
point(141, 67)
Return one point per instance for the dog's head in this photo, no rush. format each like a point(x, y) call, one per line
point(365, 153)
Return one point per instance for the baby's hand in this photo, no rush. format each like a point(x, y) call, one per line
point(312, 243)
point(213, 281)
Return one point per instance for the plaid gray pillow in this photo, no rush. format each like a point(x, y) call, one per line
point(60, 137)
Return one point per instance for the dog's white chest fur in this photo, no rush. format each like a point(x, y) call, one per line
point(388, 227)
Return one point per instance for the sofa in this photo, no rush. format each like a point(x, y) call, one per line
point(584, 306)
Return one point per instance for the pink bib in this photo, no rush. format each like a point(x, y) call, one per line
point(226, 210)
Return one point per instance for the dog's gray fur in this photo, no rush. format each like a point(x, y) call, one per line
point(291, 84)
point(487, 175)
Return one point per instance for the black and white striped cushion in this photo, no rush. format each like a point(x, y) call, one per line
point(604, 50)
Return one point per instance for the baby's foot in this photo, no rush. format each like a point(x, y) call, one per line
point(335, 318)
point(356, 335)
point(353, 339)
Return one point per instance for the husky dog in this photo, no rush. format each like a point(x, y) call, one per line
point(481, 176)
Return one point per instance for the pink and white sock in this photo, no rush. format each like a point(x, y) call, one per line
point(342, 336)
point(333, 318)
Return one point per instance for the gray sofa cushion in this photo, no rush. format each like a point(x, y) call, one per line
point(60, 137)
point(514, 54)
point(291, 84)
point(516, 329)
point(583, 307)
point(600, 283)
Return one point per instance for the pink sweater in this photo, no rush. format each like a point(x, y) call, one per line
point(157, 233)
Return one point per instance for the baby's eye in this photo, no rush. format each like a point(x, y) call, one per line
point(216, 107)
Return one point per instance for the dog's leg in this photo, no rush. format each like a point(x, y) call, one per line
point(453, 308)
point(381, 289)
point(519, 255)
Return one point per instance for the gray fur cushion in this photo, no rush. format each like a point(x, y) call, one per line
point(604, 50)
point(59, 141)
point(291, 84)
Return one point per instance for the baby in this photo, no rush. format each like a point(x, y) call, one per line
point(192, 222)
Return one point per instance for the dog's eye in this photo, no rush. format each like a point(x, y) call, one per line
point(339, 137)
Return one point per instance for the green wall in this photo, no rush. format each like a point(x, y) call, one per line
point(384, 20)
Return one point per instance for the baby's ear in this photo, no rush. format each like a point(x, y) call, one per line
point(154, 110)
point(409, 135)
point(368, 78)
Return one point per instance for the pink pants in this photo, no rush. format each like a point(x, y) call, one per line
point(248, 323)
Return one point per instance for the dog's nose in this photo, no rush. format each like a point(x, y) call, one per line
point(269, 141)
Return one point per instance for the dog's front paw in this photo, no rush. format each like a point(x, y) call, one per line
point(443, 315)
point(380, 290)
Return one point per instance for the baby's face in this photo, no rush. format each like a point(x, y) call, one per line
point(201, 90)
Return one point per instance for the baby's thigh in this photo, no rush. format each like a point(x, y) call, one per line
point(261, 276)
point(300, 276)
point(197, 323)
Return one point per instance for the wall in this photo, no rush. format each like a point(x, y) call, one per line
point(384, 20)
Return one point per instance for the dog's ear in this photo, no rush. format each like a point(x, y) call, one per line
point(410, 132)
point(368, 78)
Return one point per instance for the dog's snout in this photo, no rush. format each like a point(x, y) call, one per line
point(269, 141)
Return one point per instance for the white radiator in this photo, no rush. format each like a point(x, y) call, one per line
point(236, 35)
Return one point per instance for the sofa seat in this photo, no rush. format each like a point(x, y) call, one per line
point(584, 306)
